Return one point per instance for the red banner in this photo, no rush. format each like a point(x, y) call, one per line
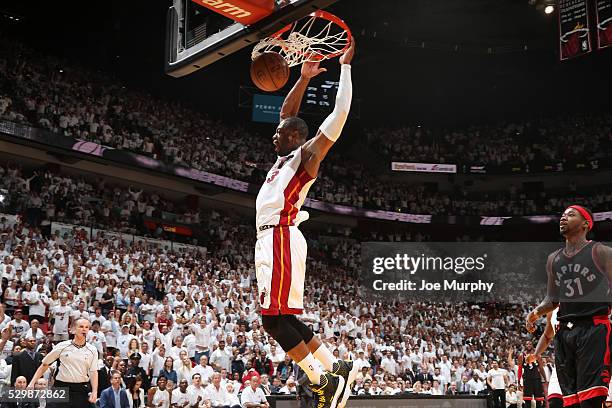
point(176, 229)
point(574, 34)
point(244, 12)
point(604, 23)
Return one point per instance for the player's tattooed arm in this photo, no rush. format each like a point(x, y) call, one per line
point(293, 101)
point(604, 260)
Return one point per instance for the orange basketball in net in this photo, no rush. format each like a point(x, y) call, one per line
point(269, 71)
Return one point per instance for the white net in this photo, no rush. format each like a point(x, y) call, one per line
point(311, 39)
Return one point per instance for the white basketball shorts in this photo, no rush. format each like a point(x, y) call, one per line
point(280, 265)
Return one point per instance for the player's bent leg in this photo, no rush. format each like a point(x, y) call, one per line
point(291, 340)
point(555, 402)
point(327, 388)
point(300, 327)
point(287, 336)
point(595, 402)
point(346, 369)
point(539, 394)
point(316, 347)
point(593, 362)
point(565, 365)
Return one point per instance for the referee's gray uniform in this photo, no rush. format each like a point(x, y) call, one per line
point(75, 366)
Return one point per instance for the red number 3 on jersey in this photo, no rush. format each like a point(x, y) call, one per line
point(273, 176)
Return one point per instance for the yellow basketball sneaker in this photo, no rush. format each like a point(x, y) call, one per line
point(328, 392)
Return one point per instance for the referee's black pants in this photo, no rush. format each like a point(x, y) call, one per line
point(78, 395)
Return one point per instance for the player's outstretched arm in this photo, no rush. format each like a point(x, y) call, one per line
point(315, 150)
point(546, 337)
point(291, 105)
point(549, 303)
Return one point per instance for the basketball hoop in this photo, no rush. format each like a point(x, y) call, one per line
point(316, 37)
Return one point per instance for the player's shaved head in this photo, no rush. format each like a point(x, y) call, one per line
point(294, 123)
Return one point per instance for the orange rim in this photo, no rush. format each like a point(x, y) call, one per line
point(326, 16)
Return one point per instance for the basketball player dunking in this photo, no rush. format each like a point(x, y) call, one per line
point(280, 251)
point(579, 277)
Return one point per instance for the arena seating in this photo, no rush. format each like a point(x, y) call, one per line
point(88, 105)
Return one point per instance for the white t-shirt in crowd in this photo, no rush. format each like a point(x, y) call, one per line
point(179, 398)
point(62, 317)
point(250, 396)
point(217, 397)
point(39, 307)
point(198, 392)
point(497, 378)
point(97, 339)
point(20, 328)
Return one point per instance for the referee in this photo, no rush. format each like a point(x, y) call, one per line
point(77, 368)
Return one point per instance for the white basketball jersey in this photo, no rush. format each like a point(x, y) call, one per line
point(284, 191)
point(553, 319)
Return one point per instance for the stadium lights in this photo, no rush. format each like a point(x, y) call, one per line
point(548, 6)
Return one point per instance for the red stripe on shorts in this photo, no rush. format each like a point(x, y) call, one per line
point(603, 319)
point(287, 272)
point(570, 400)
point(276, 269)
point(599, 391)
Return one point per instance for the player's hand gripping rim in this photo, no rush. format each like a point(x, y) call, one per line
point(347, 57)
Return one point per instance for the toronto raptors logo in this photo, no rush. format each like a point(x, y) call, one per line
point(572, 278)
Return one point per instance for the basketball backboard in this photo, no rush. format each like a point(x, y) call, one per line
point(197, 36)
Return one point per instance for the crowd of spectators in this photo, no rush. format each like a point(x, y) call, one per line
point(555, 140)
point(363, 191)
point(43, 196)
point(188, 322)
point(47, 92)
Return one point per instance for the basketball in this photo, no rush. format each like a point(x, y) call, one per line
point(269, 71)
